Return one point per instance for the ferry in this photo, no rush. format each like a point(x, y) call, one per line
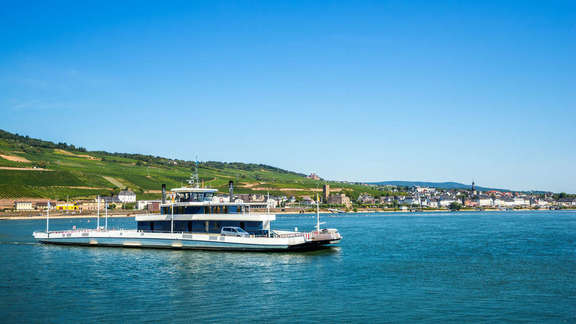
point(196, 218)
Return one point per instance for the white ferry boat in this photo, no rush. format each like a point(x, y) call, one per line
point(195, 218)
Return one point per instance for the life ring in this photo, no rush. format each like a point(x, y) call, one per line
point(221, 200)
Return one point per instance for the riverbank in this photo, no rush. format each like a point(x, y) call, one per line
point(57, 216)
point(322, 212)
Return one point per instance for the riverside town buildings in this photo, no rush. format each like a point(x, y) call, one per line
point(423, 197)
point(400, 198)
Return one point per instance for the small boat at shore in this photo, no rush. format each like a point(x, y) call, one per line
point(196, 218)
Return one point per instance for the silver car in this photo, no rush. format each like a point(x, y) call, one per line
point(233, 231)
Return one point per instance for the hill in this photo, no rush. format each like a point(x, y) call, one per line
point(36, 168)
point(439, 185)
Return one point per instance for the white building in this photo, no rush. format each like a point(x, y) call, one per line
point(126, 196)
point(307, 201)
point(521, 202)
point(504, 202)
point(410, 201)
point(432, 203)
point(272, 203)
point(425, 190)
point(485, 201)
point(446, 201)
point(23, 205)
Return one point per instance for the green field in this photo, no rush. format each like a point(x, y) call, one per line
point(76, 173)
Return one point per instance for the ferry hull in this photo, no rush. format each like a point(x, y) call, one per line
point(201, 242)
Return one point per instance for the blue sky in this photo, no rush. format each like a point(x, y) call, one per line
point(352, 90)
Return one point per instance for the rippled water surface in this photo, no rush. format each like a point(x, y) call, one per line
point(433, 267)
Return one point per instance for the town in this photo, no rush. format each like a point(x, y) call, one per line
point(393, 198)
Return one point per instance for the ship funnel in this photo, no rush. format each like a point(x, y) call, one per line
point(231, 190)
point(163, 193)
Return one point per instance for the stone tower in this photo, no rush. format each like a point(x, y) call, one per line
point(325, 192)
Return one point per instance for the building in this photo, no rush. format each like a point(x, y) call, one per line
point(445, 201)
point(471, 203)
point(43, 205)
point(67, 207)
point(521, 202)
point(272, 203)
point(110, 200)
point(432, 203)
point(325, 192)
point(307, 201)
point(366, 199)
point(153, 207)
point(484, 201)
point(504, 202)
point(23, 205)
point(90, 205)
point(410, 201)
point(340, 199)
point(313, 176)
point(249, 197)
point(425, 189)
point(386, 200)
point(127, 196)
point(143, 204)
point(567, 202)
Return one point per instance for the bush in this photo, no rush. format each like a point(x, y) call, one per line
point(129, 206)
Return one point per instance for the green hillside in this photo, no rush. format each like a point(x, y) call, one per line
point(35, 168)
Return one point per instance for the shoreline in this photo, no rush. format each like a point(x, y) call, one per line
point(125, 215)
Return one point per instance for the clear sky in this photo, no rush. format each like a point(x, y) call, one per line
point(352, 90)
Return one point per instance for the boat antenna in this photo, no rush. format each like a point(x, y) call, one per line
point(48, 217)
point(98, 214)
point(317, 214)
point(194, 180)
point(268, 202)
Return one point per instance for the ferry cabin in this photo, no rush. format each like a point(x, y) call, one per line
point(198, 210)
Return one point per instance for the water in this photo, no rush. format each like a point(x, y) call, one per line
point(432, 267)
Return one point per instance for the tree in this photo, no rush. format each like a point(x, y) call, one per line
point(455, 206)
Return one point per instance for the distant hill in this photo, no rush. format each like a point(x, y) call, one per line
point(440, 185)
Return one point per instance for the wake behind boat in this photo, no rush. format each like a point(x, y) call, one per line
point(195, 218)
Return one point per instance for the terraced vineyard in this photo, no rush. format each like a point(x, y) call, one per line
point(35, 168)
